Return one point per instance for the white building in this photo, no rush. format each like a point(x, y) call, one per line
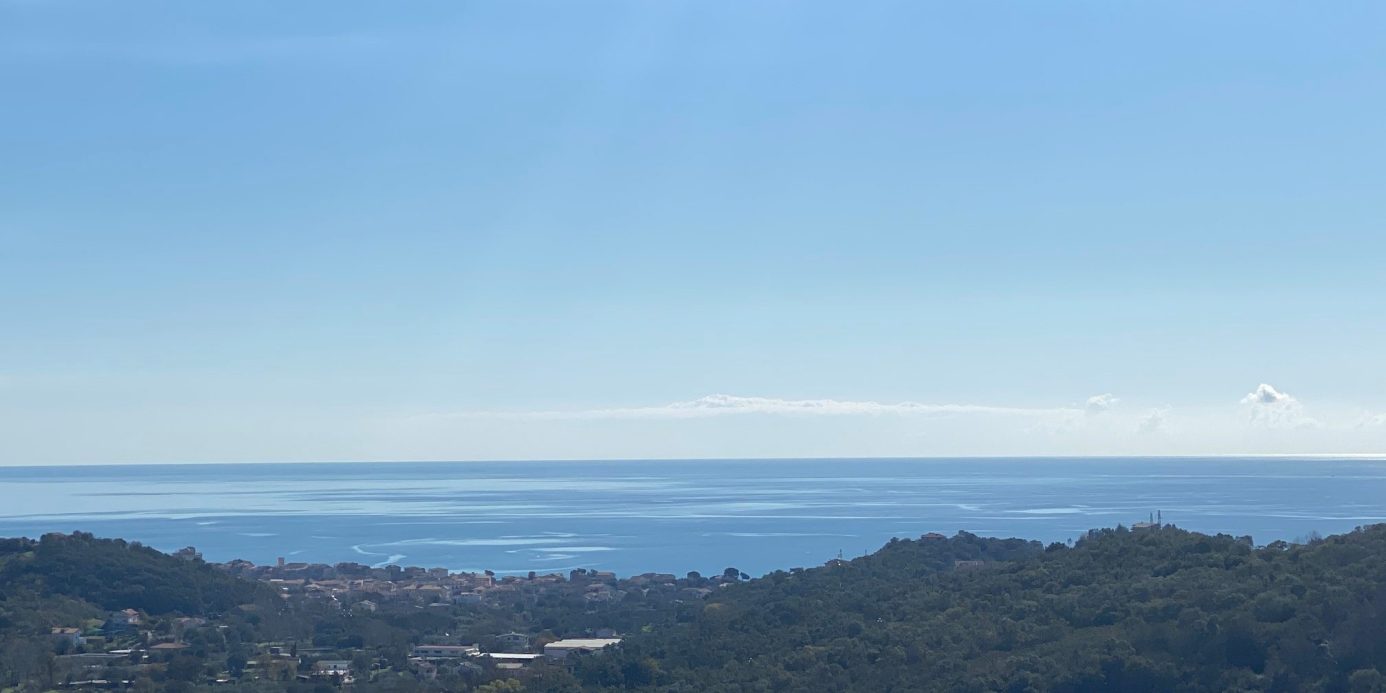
point(445, 651)
point(560, 649)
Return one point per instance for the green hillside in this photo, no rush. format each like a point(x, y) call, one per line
point(1147, 610)
point(112, 574)
point(1153, 609)
point(77, 581)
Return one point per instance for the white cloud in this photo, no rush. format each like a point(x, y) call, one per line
point(1267, 395)
point(1272, 408)
point(1100, 403)
point(1265, 421)
point(1153, 422)
point(734, 405)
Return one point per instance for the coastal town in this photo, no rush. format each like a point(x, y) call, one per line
point(346, 582)
point(462, 626)
point(320, 627)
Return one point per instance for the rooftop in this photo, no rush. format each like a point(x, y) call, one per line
point(593, 643)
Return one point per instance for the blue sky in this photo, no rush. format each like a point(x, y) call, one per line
point(326, 231)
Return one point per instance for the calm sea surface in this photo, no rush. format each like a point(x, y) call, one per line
point(671, 516)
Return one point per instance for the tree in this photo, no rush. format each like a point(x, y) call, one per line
point(236, 662)
point(185, 667)
point(361, 664)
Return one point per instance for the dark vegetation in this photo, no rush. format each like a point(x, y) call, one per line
point(1149, 610)
point(1152, 609)
point(115, 575)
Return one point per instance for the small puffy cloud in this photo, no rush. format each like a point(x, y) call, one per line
point(1100, 403)
point(1272, 408)
point(1267, 395)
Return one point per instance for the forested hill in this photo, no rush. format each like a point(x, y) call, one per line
point(1145, 610)
point(1152, 609)
point(112, 574)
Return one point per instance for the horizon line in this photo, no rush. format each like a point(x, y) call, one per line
point(564, 460)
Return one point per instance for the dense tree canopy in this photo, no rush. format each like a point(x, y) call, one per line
point(113, 574)
point(1147, 610)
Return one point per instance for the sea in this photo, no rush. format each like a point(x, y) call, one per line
point(671, 516)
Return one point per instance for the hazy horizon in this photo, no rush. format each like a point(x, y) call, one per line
point(1228, 457)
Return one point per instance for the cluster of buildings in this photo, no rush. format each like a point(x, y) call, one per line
point(359, 587)
point(88, 653)
point(123, 639)
point(367, 587)
point(126, 625)
point(437, 584)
